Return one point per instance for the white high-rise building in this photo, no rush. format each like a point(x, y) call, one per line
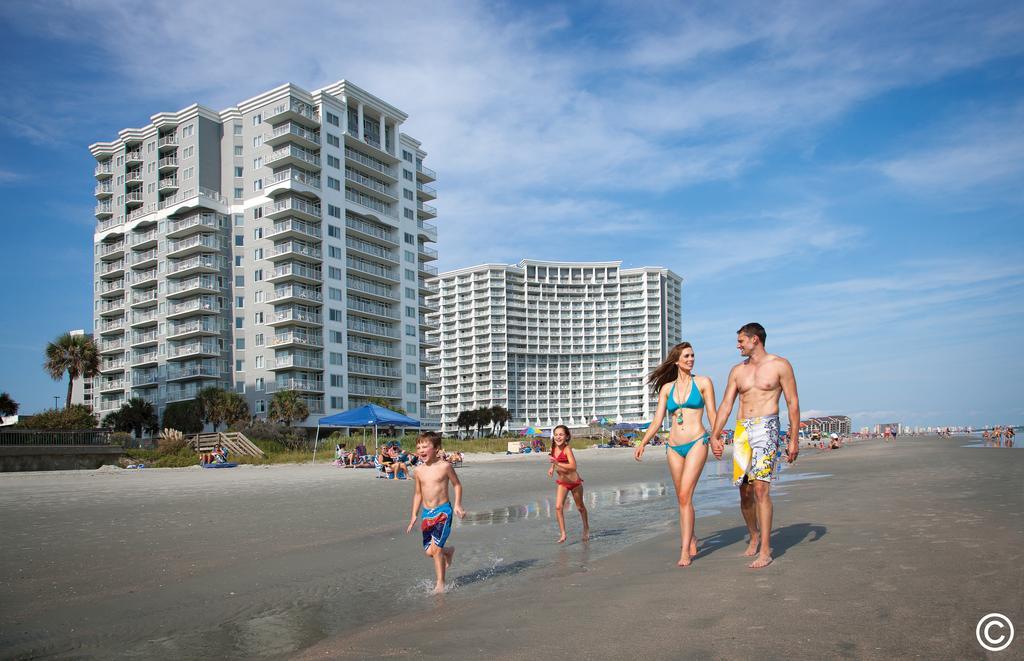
point(553, 342)
point(280, 244)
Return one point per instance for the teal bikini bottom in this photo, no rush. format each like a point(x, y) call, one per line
point(681, 450)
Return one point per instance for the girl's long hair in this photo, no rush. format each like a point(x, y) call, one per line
point(568, 437)
point(667, 371)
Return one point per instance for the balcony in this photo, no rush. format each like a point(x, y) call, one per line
point(370, 230)
point(371, 269)
point(133, 157)
point(104, 210)
point(110, 385)
point(293, 155)
point(427, 270)
point(293, 249)
point(104, 190)
point(295, 229)
point(193, 245)
point(427, 253)
point(293, 206)
point(144, 299)
point(168, 184)
point(167, 143)
point(293, 338)
point(300, 385)
point(108, 326)
point(296, 271)
point(133, 199)
point(145, 239)
point(375, 349)
point(133, 176)
point(144, 278)
point(144, 338)
point(286, 293)
point(424, 210)
point(290, 361)
point(371, 250)
point(115, 306)
point(113, 346)
point(193, 328)
point(424, 192)
point(141, 212)
point(364, 368)
point(198, 305)
point(112, 288)
point(425, 174)
point(293, 179)
point(110, 251)
point(104, 170)
point(427, 230)
point(198, 284)
point(184, 392)
point(194, 370)
point(202, 222)
point(296, 111)
point(113, 365)
point(295, 133)
point(374, 391)
point(373, 289)
point(144, 358)
point(375, 329)
point(372, 185)
point(428, 288)
point(146, 259)
point(205, 263)
point(295, 316)
point(144, 317)
point(374, 165)
point(167, 163)
point(111, 269)
point(373, 309)
point(145, 379)
point(191, 349)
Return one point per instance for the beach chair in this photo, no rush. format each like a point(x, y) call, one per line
point(379, 467)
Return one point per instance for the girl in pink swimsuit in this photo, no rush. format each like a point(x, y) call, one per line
point(569, 481)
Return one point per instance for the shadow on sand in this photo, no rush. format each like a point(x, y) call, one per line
point(493, 572)
point(783, 538)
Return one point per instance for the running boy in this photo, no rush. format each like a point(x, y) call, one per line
point(432, 477)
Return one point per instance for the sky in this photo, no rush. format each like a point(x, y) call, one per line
point(850, 176)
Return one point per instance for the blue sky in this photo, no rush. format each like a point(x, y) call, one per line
point(850, 176)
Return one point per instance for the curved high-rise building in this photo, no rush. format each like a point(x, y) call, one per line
point(553, 342)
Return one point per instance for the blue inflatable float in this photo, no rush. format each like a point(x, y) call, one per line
point(226, 465)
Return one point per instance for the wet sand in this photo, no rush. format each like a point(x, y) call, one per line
point(311, 562)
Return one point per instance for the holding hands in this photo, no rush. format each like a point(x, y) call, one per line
point(638, 454)
point(717, 447)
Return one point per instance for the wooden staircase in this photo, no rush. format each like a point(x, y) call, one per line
point(234, 442)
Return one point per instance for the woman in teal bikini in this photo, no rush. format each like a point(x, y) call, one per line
point(683, 397)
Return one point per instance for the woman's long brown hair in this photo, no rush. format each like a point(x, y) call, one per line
point(667, 371)
point(568, 437)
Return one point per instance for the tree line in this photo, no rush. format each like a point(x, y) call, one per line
point(485, 416)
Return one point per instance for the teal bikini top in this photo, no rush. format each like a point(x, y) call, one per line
point(693, 401)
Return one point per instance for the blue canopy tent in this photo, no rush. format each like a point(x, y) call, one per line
point(370, 415)
point(631, 426)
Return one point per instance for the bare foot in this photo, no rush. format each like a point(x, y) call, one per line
point(751, 548)
point(586, 534)
point(762, 561)
point(561, 539)
point(449, 553)
point(438, 589)
point(684, 560)
point(693, 547)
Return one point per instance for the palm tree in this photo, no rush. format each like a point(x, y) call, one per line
point(134, 415)
point(386, 403)
point(74, 354)
point(236, 409)
point(287, 406)
point(500, 416)
point(212, 404)
point(466, 420)
point(483, 418)
point(8, 406)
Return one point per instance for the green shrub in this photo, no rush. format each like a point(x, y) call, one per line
point(186, 417)
point(76, 416)
point(172, 445)
point(122, 438)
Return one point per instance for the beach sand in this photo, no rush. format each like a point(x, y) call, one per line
point(882, 550)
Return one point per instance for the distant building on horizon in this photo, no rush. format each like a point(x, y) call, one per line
point(81, 389)
point(828, 424)
point(553, 342)
point(894, 427)
point(281, 244)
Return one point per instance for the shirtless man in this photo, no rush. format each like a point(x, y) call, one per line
point(759, 380)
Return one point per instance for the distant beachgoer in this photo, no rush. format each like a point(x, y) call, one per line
point(432, 479)
point(341, 455)
point(759, 381)
point(683, 396)
point(834, 442)
point(568, 480)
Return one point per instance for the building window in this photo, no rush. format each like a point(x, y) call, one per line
point(410, 350)
point(239, 365)
point(333, 119)
point(333, 161)
point(408, 213)
point(410, 330)
point(335, 293)
point(407, 174)
point(259, 362)
point(257, 141)
point(261, 406)
point(239, 193)
point(336, 358)
point(335, 315)
point(257, 162)
point(334, 273)
point(411, 388)
point(239, 239)
point(410, 369)
point(333, 211)
point(408, 194)
point(410, 256)
point(334, 252)
point(238, 150)
point(238, 170)
point(239, 280)
point(333, 183)
point(259, 384)
point(410, 274)
point(257, 275)
point(239, 301)
point(257, 119)
point(337, 402)
point(410, 239)
point(410, 311)
point(237, 129)
point(239, 322)
point(257, 185)
point(334, 231)
point(240, 343)
point(259, 339)
point(337, 381)
point(411, 407)
point(407, 155)
point(258, 317)
point(239, 219)
point(333, 140)
point(336, 337)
